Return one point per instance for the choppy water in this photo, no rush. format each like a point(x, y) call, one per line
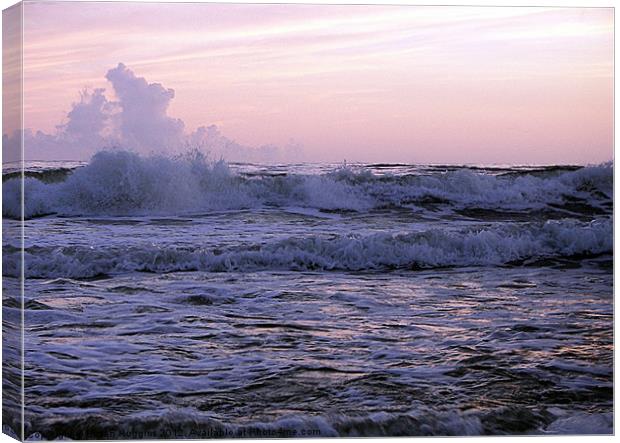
point(177, 298)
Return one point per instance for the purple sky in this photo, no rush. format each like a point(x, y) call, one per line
point(365, 83)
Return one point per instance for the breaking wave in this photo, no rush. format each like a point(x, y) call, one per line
point(493, 246)
point(123, 183)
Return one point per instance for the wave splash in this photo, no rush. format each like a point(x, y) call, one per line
point(121, 183)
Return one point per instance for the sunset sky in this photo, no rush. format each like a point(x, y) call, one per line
point(365, 83)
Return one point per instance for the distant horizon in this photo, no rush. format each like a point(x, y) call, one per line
point(285, 83)
point(344, 162)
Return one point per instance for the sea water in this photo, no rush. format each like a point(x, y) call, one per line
point(176, 297)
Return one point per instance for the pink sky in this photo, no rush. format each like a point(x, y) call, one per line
point(365, 83)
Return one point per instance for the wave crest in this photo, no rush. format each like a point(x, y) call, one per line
point(434, 248)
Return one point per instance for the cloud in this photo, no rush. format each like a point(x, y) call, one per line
point(88, 117)
point(138, 120)
point(86, 130)
point(212, 140)
point(144, 123)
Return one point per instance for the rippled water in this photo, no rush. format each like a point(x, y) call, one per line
point(424, 318)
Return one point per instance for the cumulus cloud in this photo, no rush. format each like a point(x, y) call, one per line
point(88, 117)
point(144, 122)
point(138, 120)
point(85, 130)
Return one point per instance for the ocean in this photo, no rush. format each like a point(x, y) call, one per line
point(179, 297)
